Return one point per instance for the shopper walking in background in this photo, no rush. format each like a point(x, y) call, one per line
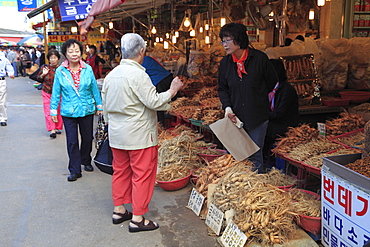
point(75, 86)
point(246, 76)
point(130, 104)
point(94, 61)
point(12, 57)
point(46, 77)
point(5, 69)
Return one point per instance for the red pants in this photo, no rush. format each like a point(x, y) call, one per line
point(134, 177)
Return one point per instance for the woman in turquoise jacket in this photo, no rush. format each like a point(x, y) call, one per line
point(76, 90)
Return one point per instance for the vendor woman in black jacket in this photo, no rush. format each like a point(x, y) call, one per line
point(246, 76)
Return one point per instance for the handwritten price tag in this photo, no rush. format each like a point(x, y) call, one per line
point(195, 202)
point(214, 218)
point(233, 237)
point(321, 127)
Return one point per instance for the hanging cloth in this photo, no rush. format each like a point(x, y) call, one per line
point(240, 63)
point(272, 97)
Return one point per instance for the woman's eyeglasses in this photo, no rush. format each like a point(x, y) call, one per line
point(226, 41)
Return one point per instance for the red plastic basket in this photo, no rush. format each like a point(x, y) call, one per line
point(309, 223)
point(175, 184)
point(210, 157)
point(355, 96)
point(335, 102)
point(335, 138)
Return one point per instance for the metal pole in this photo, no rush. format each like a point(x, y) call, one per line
point(45, 37)
point(282, 26)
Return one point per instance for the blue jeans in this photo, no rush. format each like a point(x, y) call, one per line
point(79, 155)
point(14, 64)
point(257, 134)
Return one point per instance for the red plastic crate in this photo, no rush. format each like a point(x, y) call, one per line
point(335, 138)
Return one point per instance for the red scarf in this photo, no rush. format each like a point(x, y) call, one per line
point(240, 63)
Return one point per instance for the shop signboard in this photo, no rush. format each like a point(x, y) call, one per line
point(60, 37)
point(345, 212)
point(8, 3)
point(27, 5)
point(97, 38)
point(71, 10)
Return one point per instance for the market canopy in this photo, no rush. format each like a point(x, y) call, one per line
point(4, 42)
point(113, 10)
point(32, 40)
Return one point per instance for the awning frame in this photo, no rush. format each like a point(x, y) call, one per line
point(42, 8)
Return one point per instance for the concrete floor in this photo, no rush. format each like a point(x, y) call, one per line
point(40, 208)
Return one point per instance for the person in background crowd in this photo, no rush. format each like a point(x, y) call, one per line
point(26, 62)
point(5, 69)
point(130, 102)
point(283, 110)
point(12, 57)
point(93, 60)
point(46, 76)
point(161, 79)
point(33, 56)
point(3, 51)
point(75, 86)
point(245, 78)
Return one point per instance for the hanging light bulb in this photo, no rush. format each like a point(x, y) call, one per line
point(154, 31)
point(271, 15)
point(110, 25)
point(320, 3)
point(101, 29)
point(157, 39)
point(201, 29)
point(160, 39)
point(165, 45)
point(206, 26)
point(177, 34)
point(311, 15)
point(222, 21)
point(192, 33)
point(174, 39)
point(74, 29)
point(167, 35)
point(207, 40)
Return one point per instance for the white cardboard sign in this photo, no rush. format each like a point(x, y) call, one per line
point(233, 237)
point(196, 202)
point(214, 218)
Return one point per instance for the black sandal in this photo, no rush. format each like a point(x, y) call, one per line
point(126, 216)
point(142, 227)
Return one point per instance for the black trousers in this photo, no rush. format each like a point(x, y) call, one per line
point(79, 155)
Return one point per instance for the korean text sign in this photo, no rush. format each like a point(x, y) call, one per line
point(345, 212)
point(71, 10)
point(27, 5)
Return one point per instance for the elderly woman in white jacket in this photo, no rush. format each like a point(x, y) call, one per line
point(130, 102)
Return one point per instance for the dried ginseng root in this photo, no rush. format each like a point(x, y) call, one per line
point(264, 215)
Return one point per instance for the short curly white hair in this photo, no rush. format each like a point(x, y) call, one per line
point(131, 44)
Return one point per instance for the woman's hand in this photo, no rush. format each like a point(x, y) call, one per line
point(99, 112)
point(45, 70)
point(176, 85)
point(54, 119)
